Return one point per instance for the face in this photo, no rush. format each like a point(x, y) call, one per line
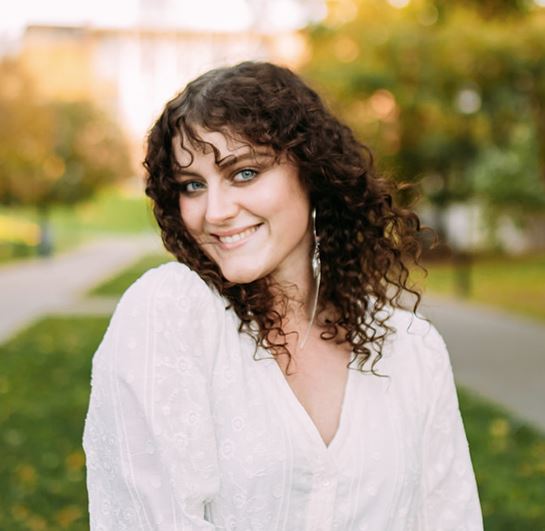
point(248, 213)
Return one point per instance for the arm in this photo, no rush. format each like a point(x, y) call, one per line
point(149, 437)
point(450, 500)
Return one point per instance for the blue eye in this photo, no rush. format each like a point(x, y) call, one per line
point(192, 186)
point(245, 175)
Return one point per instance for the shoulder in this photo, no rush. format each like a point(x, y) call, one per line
point(168, 312)
point(416, 358)
point(408, 325)
point(415, 342)
point(173, 297)
point(170, 293)
point(169, 282)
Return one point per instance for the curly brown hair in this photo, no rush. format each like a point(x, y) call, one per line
point(366, 242)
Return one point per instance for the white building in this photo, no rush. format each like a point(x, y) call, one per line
point(132, 63)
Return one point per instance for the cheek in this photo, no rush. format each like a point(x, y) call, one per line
point(189, 212)
point(285, 198)
point(295, 204)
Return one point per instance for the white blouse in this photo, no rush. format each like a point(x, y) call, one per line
point(187, 431)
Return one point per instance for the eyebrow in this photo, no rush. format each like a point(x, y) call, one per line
point(227, 161)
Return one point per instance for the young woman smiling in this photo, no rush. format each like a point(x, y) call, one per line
point(270, 378)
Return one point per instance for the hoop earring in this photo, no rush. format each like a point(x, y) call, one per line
point(317, 274)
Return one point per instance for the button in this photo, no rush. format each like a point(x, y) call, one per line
point(326, 483)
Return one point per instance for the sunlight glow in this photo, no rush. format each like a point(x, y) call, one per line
point(346, 49)
point(399, 3)
point(468, 100)
point(383, 104)
point(235, 15)
point(342, 12)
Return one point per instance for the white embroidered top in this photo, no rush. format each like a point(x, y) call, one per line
point(187, 431)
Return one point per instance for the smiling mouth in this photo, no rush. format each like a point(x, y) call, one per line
point(234, 238)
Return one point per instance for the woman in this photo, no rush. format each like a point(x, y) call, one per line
point(270, 379)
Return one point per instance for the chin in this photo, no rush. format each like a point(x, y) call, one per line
point(239, 276)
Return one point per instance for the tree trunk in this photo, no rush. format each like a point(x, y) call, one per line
point(45, 245)
point(538, 108)
point(440, 224)
point(462, 273)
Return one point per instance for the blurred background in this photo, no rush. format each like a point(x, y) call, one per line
point(450, 96)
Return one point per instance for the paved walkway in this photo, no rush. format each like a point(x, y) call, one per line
point(34, 288)
point(500, 356)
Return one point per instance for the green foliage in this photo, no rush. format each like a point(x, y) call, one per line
point(492, 8)
point(25, 135)
point(91, 149)
point(508, 179)
point(430, 85)
point(53, 152)
point(44, 385)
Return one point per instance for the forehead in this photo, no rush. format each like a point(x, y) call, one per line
point(213, 143)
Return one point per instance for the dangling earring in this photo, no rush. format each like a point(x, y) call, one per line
point(317, 274)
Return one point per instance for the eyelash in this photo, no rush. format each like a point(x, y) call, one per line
point(183, 187)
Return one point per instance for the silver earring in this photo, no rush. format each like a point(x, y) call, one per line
point(316, 264)
point(317, 274)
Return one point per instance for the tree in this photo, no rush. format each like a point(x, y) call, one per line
point(53, 153)
point(507, 180)
point(25, 135)
point(430, 85)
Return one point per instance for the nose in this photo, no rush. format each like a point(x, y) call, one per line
point(220, 205)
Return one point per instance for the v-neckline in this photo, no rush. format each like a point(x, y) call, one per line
point(304, 417)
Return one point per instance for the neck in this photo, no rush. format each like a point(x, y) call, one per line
point(293, 298)
point(294, 289)
point(297, 305)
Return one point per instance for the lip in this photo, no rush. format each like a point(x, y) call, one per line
point(232, 232)
point(234, 245)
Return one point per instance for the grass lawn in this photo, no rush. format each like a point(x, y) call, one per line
point(44, 386)
point(111, 211)
point(118, 284)
point(509, 461)
point(514, 284)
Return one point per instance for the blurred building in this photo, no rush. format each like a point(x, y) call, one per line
point(131, 70)
point(467, 228)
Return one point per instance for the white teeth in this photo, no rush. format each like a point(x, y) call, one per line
point(237, 237)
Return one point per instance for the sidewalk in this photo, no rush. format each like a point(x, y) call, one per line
point(498, 355)
point(31, 289)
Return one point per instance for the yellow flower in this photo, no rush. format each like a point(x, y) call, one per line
point(68, 515)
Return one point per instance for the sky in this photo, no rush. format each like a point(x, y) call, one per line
point(197, 14)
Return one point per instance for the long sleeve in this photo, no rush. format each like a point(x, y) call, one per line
point(450, 499)
point(149, 437)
